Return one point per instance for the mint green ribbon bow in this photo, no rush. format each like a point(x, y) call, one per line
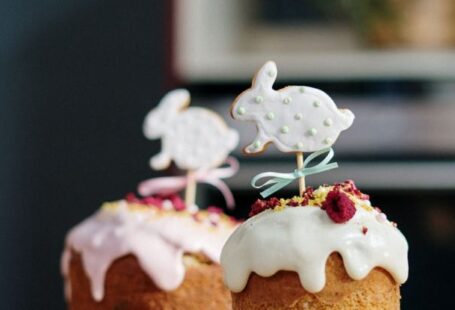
point(280, 180)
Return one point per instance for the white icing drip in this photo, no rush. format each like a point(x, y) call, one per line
point(301, 239)
point(157, 239)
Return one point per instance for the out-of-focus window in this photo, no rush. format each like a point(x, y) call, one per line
point(342, 39)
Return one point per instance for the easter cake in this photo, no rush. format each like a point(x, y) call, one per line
point(326, 248)
point(156, 251)
point(150, 253)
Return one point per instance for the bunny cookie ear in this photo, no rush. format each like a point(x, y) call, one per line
point(266, 76)
point(175, 100)
point(158, 119)
point(348, 117)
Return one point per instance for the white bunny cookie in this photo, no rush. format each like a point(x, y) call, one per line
point(295, 118)
point(193, 138)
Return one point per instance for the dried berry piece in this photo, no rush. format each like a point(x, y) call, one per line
point(157, 201)
point(131, 197)
point(152, 201)
point(273, 202)
point(307, 195)
point(262, 205)
point(214, 209)
point(257, 207)
point(177, 202)
point(338, 206)
point(350, 187)
point(293, 203)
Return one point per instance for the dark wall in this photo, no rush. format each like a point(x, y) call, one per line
point(76, 80)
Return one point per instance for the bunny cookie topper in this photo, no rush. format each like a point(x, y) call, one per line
point(197, 140)
point(294, 118)
point(194, 138)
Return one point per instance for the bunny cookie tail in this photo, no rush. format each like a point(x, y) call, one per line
point(160, 161)
point(232, 139)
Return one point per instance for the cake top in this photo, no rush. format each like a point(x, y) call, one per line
point(300, 233)
point(157, 230)
point(345, 194)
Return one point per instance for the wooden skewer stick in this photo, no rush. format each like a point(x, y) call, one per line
point(190, 191)
point(301, 179)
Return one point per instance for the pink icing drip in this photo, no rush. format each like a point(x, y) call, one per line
point(158, 242)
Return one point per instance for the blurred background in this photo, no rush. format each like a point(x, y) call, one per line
point(78, 77)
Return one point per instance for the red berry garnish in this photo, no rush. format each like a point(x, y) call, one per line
point(157, 200)
point(307, 195)
point(293, 203)
point(152, 201)
point(350, 187)
point(131, 197)
point(214, 209)
point(262, 205)
point(257, 207)
point(273, 202)
point(338, 206)
point(177, 202)
point(309, 191)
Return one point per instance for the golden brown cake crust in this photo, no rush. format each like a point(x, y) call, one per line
point(284, 291)
point(128, 287)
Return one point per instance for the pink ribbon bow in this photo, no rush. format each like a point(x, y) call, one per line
point(168, 185)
